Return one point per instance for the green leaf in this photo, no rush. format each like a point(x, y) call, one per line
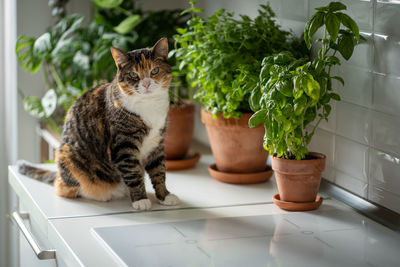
point(312, 88)
point(283, 58)
point(322, 8)
point(49, 102)
point(285, 87)
point(25, 54)
point(299, 85)
point(346, 46)
point(307, 38)
point(33, 106)
point(257, 118)
point(348, 22)
point(335, 96)
point(332, 23)
point(299, 105)
point(254, 99)
point(316, 23)
point(82, 61)
point(333, 60)
point(127, 24)
point(335, 6)
point(340, 79)
point(108, 3)
point(42, 44)
point(327, 111)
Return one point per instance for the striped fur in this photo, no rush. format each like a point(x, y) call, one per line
point(101, 156)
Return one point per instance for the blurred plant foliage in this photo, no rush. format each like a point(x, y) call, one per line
point(75, 56)
point(293, 93)
point(222, 55)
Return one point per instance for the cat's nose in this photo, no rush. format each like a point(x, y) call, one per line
point(146, 84)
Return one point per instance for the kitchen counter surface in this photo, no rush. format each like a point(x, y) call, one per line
point(334, 234)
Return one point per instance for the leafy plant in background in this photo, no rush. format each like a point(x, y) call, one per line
point(152, 26)
point(222, 56)
point(74, 58)
point(58, 9)
point(292, 92)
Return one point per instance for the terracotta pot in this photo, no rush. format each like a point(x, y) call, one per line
point(298, 180)
point(236, 147)
point(179, 133)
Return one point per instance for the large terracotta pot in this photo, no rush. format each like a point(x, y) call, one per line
point(236, 147)
point(299, 180)
point(179, 132)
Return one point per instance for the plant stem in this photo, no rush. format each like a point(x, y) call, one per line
point(56, 77)
point(124, 11)
point(46, 77)
point(315, 127)
point(53, 125)
point(323, 44)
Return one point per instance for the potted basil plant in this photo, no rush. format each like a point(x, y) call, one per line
point(222, 56)
point(294, 97)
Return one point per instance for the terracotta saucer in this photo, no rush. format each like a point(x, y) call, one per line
point(240, 178)
point(297, 206)
point(187, 162)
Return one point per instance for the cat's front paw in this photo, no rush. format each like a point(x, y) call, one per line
point(170, 200)
point(143, 204)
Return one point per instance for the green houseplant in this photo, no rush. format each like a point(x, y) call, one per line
point(74, 57)
point(222, 57)
point(294, 96)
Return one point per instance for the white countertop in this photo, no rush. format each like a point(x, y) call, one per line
point(334, 234)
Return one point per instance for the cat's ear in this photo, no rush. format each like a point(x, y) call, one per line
point(160, 49)
point(120, 57)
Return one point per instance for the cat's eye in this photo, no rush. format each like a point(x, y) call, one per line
point(155, 71)
point(133, 75)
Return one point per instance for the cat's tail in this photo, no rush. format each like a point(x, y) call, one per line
point(42, 175)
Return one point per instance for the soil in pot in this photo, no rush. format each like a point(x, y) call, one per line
point(236, 147)
point(298, 180)
point(178, 136)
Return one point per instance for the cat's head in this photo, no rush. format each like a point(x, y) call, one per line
point(143, 71)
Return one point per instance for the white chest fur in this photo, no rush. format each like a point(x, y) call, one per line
point(152, 108)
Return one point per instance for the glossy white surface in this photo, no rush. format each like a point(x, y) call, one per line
point(324, 142)
point(195, 189)
point(334, 235)
point(387, 17)
point(384, 198)
point(387, 93)
point(385, 132)
point(353, 122)
point(351, 183)
point(351, 157)
point(387, 54)
point(358, 85)
point(384, 171)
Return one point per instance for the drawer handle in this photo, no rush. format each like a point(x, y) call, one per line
point(41, 254)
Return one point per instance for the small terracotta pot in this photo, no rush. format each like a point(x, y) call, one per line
point(236, 147)
point(298, 180)
point(179, 132)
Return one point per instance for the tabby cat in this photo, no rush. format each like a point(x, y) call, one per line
point(115, 132)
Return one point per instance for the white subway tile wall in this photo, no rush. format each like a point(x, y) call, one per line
point(362, 138)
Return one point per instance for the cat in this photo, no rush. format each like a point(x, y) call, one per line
point(114, 133)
